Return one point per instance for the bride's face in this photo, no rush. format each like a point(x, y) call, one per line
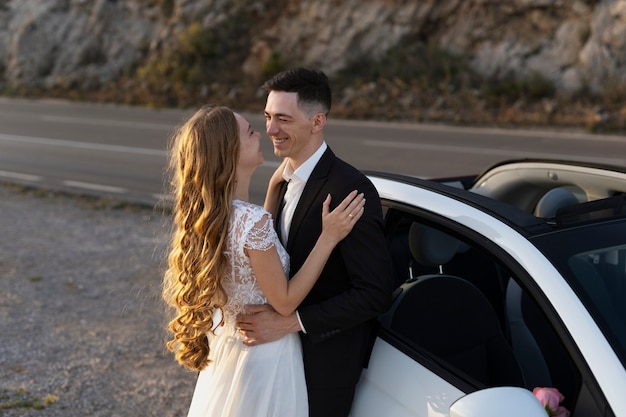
point(250, 155)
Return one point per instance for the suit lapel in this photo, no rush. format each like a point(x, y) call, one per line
point(310, 194)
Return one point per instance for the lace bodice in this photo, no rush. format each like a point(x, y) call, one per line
point(251, 227)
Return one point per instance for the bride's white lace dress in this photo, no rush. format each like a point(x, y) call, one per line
point(260, 381)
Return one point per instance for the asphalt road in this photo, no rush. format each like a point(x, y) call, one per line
point(118, 150)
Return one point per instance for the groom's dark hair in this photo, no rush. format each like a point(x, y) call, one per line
point(312, 87)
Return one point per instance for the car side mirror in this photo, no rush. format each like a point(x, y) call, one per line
point(496, 402)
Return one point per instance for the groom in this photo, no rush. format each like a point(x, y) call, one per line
point(337, 319)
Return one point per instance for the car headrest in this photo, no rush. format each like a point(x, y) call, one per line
point(554, 200)
point(431, 247)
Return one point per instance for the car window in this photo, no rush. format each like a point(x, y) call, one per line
point(601, 278)
point(463, 306)
point(592, 258)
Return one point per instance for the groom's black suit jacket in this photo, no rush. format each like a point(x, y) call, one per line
point(339, 314)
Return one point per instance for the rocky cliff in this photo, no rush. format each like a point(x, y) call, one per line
point(574, 45)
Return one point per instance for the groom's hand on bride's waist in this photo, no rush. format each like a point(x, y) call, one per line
point(262, 324)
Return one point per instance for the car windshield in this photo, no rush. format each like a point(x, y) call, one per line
point(592, 258)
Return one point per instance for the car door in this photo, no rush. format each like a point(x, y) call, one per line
point(408, 376)
point(434, 349)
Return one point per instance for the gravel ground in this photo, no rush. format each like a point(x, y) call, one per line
point(81, 318)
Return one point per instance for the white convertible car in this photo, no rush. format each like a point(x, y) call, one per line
point(507, 281)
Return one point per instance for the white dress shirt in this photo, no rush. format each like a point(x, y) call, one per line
point(296, 181)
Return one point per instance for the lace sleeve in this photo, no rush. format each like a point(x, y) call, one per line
point(262, 235)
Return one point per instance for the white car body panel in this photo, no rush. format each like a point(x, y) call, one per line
point(607, 368)
point(382, 393)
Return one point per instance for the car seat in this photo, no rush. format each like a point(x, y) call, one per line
point(450, 318)
point(542, 356)
point(553, 200)
point(524, 344)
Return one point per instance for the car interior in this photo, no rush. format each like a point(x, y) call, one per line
point(461, 306)
point(465, 311)
point(463, 328)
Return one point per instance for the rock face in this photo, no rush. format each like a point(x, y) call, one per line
point(576, 44)
point(61, 42)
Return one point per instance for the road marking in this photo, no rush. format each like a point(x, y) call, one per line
point(271, 164)
point(98, 146)
point(81, 145)
point(20, 176)
point(488, 151)
point(107, 122)
point(163, 197)
point(492, 131)
point(94, 187)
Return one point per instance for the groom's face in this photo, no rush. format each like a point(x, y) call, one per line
point(289, 128)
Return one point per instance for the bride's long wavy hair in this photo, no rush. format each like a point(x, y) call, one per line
point(202, 159)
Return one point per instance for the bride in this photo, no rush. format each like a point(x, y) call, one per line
point(224, 254)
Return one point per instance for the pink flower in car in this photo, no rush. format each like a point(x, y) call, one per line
point(550, 398)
